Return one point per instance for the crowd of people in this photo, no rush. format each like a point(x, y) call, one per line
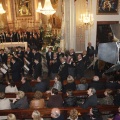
point(61, 66)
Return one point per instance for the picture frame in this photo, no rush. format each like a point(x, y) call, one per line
point(107, 7)
point(23, 8)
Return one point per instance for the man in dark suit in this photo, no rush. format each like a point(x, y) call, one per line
point(49, 57)
point(91, 101)
point(97, 84)
point(36, 55)
point(37, 69)
point(63, 69)
point(59, 54)
point(40, 85)
point(25, 87)
point(20, 53)
point(79, 67)
point(3, 56)
point(16, 71)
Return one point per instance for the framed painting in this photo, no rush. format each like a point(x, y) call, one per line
point(23, 8)
point(107, 7)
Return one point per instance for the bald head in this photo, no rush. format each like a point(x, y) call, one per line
point(55, 112)
point(95, 78)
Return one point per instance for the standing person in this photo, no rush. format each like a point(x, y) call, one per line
point(79, 67)
point(90, 51)
point(16, 70)
point(49, 57)
point(54, 66)
point(37, 69)
point(3, 56)
point(63, 70)
point(59, 54)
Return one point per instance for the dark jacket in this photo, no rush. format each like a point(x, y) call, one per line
point(20, 104)
point(97, 85)
point(69, 86)
point(70, 101)
point(2, 87)
point(40, 86)
point(55, 101)
point(26, 87)
point(4, 58)
point(90, 102)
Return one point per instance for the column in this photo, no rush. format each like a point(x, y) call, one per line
point(70, 24)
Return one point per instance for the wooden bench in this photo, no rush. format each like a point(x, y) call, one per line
point(81, 93)
point(46, 112)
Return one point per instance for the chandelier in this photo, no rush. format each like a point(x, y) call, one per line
point(87, 18)
point(39, 8)
point(47, 9)
point(1, 9)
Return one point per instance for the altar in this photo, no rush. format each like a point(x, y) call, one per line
point(13, 44)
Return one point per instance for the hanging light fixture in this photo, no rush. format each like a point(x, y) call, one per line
point(87, 18)
point(2, 11)
point(47, 9)
point(39, 7)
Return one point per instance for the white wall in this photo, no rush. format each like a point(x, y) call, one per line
point(100, 18)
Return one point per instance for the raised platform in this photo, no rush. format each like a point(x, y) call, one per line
point(14, 44)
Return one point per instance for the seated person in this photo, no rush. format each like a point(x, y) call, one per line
point(70, 84)
point(97, 84)
point(94, 114)
point(108, 99)
point(40, 85)
point(55, 100)
point(25, 87)
point(38, 101)
point(4, 104)
point(74, 115)
point(91, 101)
point(20, 102)
point(83, 84)
point(11, 117)
point(117, 98)
point(56, 115)
point(70, 100)
point(11, 88)
point(36, 115)
point(117, 116)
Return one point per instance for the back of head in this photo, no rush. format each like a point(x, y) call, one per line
point(55, 112)
point(83, 81)
point(69, 92)
point(108, 91)
point(20, 94)
point(93, 90)
point(38, 95)
point(2, 95)
point(70, 79)
point(73, 114)
point(54, 91)
point(36, 115)
point(95, 78)
point(11, 117)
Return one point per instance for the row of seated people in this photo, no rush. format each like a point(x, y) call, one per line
point(93, 114)
point(44, 85)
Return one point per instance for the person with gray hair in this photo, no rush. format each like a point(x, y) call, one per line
point(56, 114)
point(91, 101)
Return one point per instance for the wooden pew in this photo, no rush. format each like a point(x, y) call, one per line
point(81, 93)
point(46, 112)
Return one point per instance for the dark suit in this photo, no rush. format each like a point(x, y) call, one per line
point(63, 71)
point(26, 87)
point(90, 51)
point(90, 102)
point(37, 70)
point(20, 54)
point(80, 69)
point(16, 76)
point(4, 58)
point(37, 56)
point(49, 56)
point(40, 86)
